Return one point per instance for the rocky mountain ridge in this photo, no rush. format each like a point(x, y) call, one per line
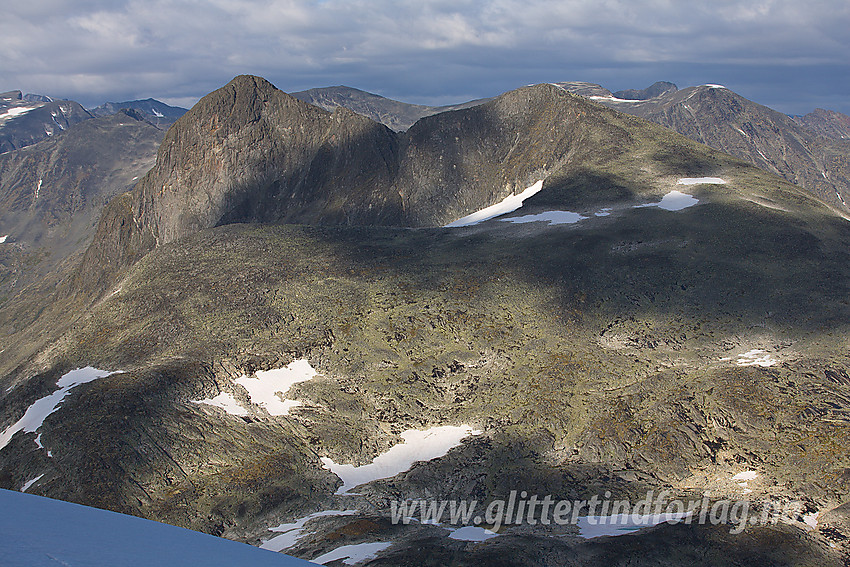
point(796, 149)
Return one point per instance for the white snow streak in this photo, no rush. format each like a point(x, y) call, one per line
point(756, 357)
point(225, 401)
point(417, 446)
point(699, 180)
point(472, 533)
point(746, 476)
point(292, 532)
point(507, 205)
point(29, 483)
point(811, 520)
point(353, 554)
point(673, 201)
point(16, 111)
point(612, 98)
point(41, 408)
point(549, 217)
point(264, 387)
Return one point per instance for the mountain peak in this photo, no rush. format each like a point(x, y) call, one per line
point(656, 89)
point(11, 95)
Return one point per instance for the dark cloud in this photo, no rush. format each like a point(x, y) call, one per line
point(789, 55)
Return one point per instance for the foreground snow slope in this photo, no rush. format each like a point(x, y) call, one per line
point(36, 532)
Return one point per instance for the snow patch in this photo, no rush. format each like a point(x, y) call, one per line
point(472, 533)
point(265, 385)
point(28, 484)
point(673, 201)
point(353, 554)
point(604, 212)
point(698, 180)
point(621, 524)
point(156, 113)
point(612, 98)
point(16, 111)
point(292, 532)
point(225, 401)
point(811, 520)
point(711, 86)
point(756, 357)
point(43, 407)
point(549, 217)
point(746, 476)
point(417, 446)
point(3, 238)
point(508, 205)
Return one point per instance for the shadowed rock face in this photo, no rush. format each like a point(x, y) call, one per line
point(656, 89)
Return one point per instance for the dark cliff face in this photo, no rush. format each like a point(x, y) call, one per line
point(656, 89)
point(251, 153)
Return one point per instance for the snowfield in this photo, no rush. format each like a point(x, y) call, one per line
point(417, 446)
point(43, 407)
point(41, 532)
point(673, 201)
point(225, 401)
point(292, 532)
point(265, 385)
point(549, 217)
point(353, 554)
point(508, 205)
point(699, 180)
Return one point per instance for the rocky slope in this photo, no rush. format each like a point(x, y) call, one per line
point(398, 116)
point(728, 122)
point(51, 192)
point(827, 123)
point(643, 346)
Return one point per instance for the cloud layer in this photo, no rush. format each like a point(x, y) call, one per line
point(788, 55)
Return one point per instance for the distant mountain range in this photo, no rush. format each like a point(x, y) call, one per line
point(27, 119)
point(398, 116)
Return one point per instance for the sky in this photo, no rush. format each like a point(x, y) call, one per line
point(792, 56)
